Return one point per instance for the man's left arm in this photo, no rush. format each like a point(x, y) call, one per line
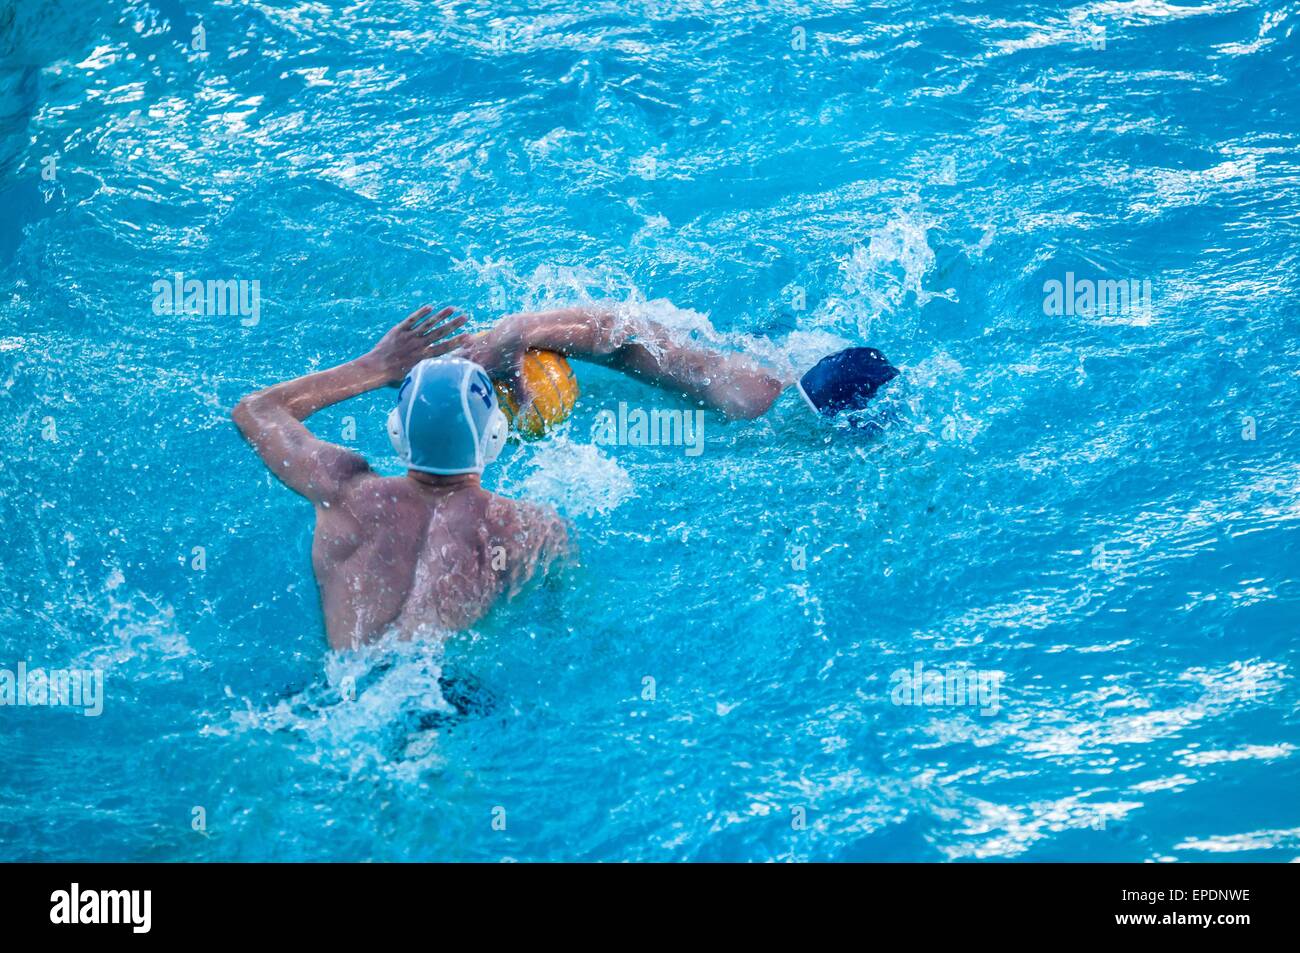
point(272, 419)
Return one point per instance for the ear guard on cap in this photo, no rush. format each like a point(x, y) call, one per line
point(395, 435)
point(494, 438)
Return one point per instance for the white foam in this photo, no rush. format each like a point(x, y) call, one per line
point(577, 479)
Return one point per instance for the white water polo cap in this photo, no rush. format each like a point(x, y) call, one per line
point(447, 420)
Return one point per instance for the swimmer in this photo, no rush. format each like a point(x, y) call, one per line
point(429, 551)
point(735, 385)
point(432, 550)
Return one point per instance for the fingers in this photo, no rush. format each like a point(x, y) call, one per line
point(518, 384)
point(414, 317)
point(436, 328)
point(444, 347)
point(437, 333)
point(429, 323)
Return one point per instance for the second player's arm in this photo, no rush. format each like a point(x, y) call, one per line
point(734, 384)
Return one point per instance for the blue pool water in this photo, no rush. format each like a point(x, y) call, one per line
point(1098, 514)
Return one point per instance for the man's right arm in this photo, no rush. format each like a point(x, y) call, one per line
point(734, 384)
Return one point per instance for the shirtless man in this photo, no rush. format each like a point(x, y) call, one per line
point(432, 550)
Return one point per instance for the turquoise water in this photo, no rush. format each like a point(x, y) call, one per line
point(1094, 513)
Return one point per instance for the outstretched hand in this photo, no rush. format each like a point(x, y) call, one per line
point(418, 337)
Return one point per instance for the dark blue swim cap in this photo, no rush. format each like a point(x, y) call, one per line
point(846, 380)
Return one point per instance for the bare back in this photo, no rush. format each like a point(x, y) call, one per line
point(392, 554)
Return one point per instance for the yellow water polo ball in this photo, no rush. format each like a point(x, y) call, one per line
point(554, 387)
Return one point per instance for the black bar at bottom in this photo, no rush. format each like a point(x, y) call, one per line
point(1218, 903)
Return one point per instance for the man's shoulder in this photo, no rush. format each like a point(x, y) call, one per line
point(500, 512)
point(504, 508)
point(528, 526)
